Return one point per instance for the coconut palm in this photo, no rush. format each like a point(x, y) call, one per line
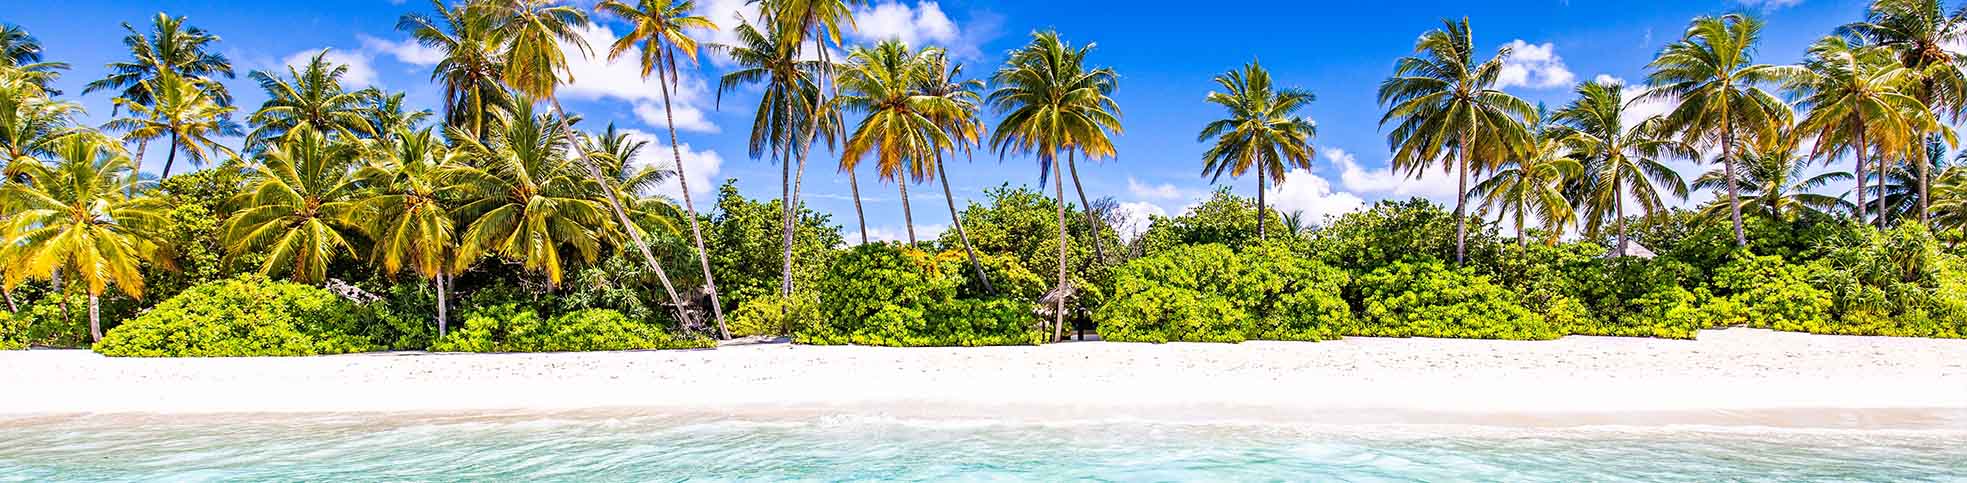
point(799, 22)
point(184, 110)
point(1532, 185)
point(1621, 161)
point(524, 199)
point(407, 214)
point(616, 153)
point(1897, 188)
point(171, 47)
point(1263, 130)
point(1443, 103)
point(309, 97)
point(75, 221)
point(944, 81)
point(1711, 76)
point(387, 115)
point(20, 52)
point(528, 35)
point(1950, 198)
point(1921, 34)
point(470, 68)
point(1775, 182)
point(297, 208)
point(31, 125)
point(898, 129)
point(1859, 101)
point(661, 29)
point(789, 93)
point(1050, 103)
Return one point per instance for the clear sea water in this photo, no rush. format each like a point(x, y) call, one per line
point(630, 447)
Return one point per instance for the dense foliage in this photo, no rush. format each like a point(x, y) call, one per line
point(1209, 293)
point(513, 328)
point(892, 295)
point(244, 317)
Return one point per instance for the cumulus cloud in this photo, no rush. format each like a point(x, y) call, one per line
point(923, 24)
point(1136, 216)
point(1163, 191)
point(595, 77)
point(407, 51)
point(360, 74)
point(1535, 66)
point(1433, 184)
point(900, 233)
point(702, 167)
point(1306, 192)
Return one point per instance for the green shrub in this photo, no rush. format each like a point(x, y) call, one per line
point(43, 323)
point(890, 295)
point(1634, 297)
point(1207, 293)
point(512, 328)
point(1765, 292)
point(773, 315)
point(1425, 298)
point(247, 316)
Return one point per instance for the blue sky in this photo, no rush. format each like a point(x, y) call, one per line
point(1166, 53)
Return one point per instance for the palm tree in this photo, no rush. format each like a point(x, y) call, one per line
point(1443, 100)
point(1950, 198)
point(798, 22)
point(184, 110)
point(31, 125)
point(1920, 33)
point(660, 28)
point(1051, 102)
point(20, 52)
point(963, 127)
point(1621, 161)
point(388, 117)
point(407, 213)
point(1533, 185)
point(76, 220)
point(311, 96)
point(619, 151)
point(1859, 100)
point(1711, 76)
point(1263, 130)
point(1295, 223)
point(528, 34)
point(171, 47)
point(790, 94)
point(1898, 188)
point(297, 208)
point(1776, 183)
point(471, 67)
point(523, 198)
point(898, 128)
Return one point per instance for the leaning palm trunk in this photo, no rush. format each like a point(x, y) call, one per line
point(957, 221)
point(1058, 321)
point(1092, 224)
point(689, 208)
point(854, 185)
point(95, 317)
point(171, 157)
point(908, 214)
point(634, 234)
point(1734, 189)
point(805, 149)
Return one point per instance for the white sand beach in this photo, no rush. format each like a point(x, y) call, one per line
point(1726, 377)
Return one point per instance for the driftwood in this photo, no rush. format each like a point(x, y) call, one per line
point(350, 292)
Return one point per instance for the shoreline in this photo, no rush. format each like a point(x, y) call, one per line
point(1739, 377)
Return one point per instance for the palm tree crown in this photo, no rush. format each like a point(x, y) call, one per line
point(1263, 131)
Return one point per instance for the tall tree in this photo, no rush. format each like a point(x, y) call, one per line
point(523, 198)
point(31, 125)
point(75, 221)
point(661, 28)
point(529, 34)
point(1711, 76)
point(297, 208)
point(1443, 104)
point(789, 94)
point(1921, 34)
point(1533, 185)
point(800, 22)
point(1051, 102)
point(171, 47)
point(309, 97)
point(1859, 101)
point(964, 128)
point(1621, 161)
point(1776, 183)
point(21, 53)
point(184, 110)
point(406, 213)
point(898, 128)
point(470, 67)
point(1263, 131)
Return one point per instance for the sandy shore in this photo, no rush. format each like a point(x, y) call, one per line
point(1732, 376)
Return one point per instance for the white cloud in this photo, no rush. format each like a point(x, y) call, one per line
point(595, 77)
point(359, 75)
point(1432, 183)
point(1136, 216)
point(727, 14)
point(702, 167)
point(407, 51)
point(1163, 191)
point(900, 233)
point(1306, 192)
point(1536, 66)
point(923, 24)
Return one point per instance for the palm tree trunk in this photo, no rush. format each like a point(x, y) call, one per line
point(805, 149)
point(1858, 197)
point(791, 226)
point(689, 208)
point(621, 216)
point(54, 282)
point(1734, 192)
point(1461, 200)
point(957, 221)
point(11, 308)
point(854, 185)
point(1880, 197)
point(1058, 321)
point(1619, 206)
point(908, 214)
point(131, 189)
point(169, 159)
point(1260, 202)
point(443, 306)
point(1924, 203)
point(95, 317)
point(1091, 222)
point(1521, 242)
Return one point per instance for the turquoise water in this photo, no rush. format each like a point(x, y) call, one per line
point(620, 447)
